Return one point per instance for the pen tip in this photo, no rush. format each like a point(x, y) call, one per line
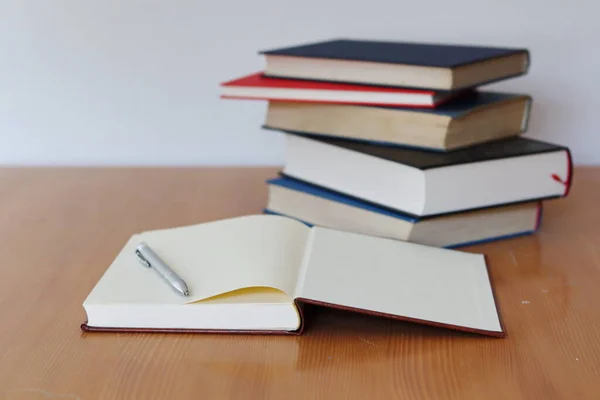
point(186, 293)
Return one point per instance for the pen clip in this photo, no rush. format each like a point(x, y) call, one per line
point(141, 259)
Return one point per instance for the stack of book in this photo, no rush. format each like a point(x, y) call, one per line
point(395, 140)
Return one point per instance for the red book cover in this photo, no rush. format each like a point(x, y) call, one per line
point(259, 87)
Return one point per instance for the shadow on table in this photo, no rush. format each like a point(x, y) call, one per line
point(344, 338)
point(334, 322)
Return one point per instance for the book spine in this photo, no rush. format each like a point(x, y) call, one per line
point(538, 216)
point(527, 62)
point(568, 181)
point(569, 172)
point(526, 114)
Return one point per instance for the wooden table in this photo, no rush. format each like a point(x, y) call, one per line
point(61, 228)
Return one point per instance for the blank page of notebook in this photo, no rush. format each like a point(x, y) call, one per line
point(399, 278)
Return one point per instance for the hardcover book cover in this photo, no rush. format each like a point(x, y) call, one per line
point(425, 54)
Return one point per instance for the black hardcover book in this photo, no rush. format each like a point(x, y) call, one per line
point(422, 159)
point(427, 65)
point(423, 183)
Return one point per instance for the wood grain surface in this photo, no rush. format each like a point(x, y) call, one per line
point(61, 228)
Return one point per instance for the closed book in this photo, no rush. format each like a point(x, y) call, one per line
point(314, 205)
point(259, 87)
point(253, 274)
point(419, 65)
point(425, 183)
point(467, 120)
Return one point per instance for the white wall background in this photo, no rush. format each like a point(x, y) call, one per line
point(136, 82)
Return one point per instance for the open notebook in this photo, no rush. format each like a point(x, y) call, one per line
point(253, 273)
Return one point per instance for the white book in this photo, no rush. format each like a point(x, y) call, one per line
point(425, 183)
point(254, 273)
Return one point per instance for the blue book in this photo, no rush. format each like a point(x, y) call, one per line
point(318, 206)
point(419, 65)
point(470, 119)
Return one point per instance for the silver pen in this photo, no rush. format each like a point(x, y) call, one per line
point(150, 259)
